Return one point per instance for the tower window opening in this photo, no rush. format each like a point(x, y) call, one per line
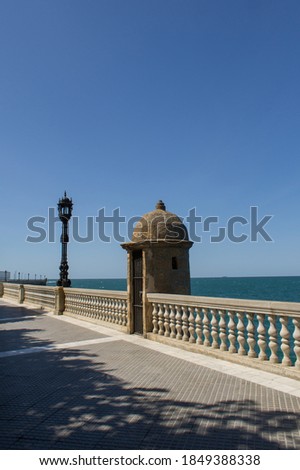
point(174, 262)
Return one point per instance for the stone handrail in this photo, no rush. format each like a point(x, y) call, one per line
point(100, 305)
point(268, 331)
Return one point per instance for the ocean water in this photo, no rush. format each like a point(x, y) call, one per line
point(284, 289)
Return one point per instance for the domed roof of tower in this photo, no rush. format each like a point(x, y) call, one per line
point(160, 225)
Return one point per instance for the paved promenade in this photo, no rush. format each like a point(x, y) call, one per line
point(67, 384)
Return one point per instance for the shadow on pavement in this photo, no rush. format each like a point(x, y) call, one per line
point(64, 399)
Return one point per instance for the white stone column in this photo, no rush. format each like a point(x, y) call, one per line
point(296, 336)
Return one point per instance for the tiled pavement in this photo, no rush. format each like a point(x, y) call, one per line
point(67, 384)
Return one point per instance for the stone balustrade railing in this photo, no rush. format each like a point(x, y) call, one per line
point(104, 305)
point(11, 291)
point(268, 331)
point(42, 296)
point(107, 306)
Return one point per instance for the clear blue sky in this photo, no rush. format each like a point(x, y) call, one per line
point(122, 103)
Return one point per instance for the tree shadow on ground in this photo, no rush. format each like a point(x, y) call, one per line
point(12, 338)
point(65, 399)
point(12, 313)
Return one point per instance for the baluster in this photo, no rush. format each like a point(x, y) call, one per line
point(97, 312)
point(155, 319)
point(285, 344)
point(77, 300)
point(223, 330)
point(241, 334)
point(160, 320)
point(261, 330)
point(89, 306)
point(192, 325)
point(273, 343)
point(100, 307)
point(172, 322)
point(120, 321)
point(105, 314)
point(105, 309)
point(231, 332)
point(206, 330)
point(96, 307)
point(296, 337)
point(185, 324)
point(251, 337)
point(117, 310)
point(111, 310)
point(198, 326)
point(178, 322)
point(74, 304)
point(94, 313)
point(124, 312)
point(79, 305)
point(166, 321)
point(85, 305)
point(114, 310)
point(82, 303)
point(214, 330)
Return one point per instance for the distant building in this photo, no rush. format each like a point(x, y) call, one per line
point(4, 275)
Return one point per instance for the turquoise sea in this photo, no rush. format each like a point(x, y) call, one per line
point(284, 289)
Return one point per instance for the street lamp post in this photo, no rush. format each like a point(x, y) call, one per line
point(65, 206)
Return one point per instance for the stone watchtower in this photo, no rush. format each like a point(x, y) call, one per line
point(158, 261)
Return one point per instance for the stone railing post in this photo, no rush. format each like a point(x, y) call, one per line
point(1, 289)
point(21, 294)
point(59, 301)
